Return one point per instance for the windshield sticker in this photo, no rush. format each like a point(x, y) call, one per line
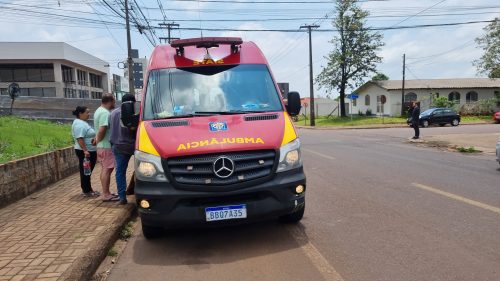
point(217, 126)
point(217, 141)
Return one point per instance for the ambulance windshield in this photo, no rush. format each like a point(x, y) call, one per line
point(192, 91)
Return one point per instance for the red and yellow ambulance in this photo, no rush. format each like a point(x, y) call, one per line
point(215, 141)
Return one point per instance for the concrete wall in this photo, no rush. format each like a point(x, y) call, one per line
point(22, 177)
point(46, 108)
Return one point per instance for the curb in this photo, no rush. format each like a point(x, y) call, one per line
point(85, 266)
point(372, 127)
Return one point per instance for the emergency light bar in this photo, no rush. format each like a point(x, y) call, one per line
point(206, 42)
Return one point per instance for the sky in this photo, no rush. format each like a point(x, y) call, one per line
point(431, 52)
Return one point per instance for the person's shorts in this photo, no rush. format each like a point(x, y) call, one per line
point(106, 158)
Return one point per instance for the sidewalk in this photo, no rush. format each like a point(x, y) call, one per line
point(57, 234)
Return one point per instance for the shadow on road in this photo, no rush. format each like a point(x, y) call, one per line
point(199, 248)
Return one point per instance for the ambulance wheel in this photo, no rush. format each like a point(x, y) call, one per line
point(151, 232)
point(295, 216)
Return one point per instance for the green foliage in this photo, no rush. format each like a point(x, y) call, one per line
point(354, 55)
point(360, 113)
point(368, 112)
point(127, 231)
point(112, 253)
point(467, 150)
point(442, 102)
point(380, 77)
point(22, 138)
point(489, 63)
point(481, 107)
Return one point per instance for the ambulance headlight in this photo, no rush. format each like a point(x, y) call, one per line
point(148, 167)
point(290, 156)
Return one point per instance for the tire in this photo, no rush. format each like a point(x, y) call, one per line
point(455, 122)
point(294, 217)
point(151, 232)
point(425, 123)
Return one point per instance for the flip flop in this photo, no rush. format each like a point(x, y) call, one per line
point(111, 199)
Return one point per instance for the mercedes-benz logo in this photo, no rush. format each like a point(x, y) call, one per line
point(223, 167)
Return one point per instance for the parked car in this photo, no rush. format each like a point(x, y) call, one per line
point(498, 150)
point(437, 116)
point(496, 117)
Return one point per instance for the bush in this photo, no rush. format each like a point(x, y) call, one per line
point(482, 107)
point(368, 112)
point(442, 102)
point(360, 113)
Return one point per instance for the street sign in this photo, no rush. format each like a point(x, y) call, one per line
point(353, 96)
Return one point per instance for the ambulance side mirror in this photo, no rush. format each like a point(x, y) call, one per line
point(128, 116)
point(293, 106)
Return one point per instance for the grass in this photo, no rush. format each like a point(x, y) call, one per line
point(127, 231)
point(112, 253)
point(467, 150)
point(22, 138)
point(356, 121)
point(373, 120)
point(473, 119)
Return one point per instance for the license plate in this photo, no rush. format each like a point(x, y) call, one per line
point(226, 212)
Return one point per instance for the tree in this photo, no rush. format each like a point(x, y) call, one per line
point(489, 63)
point(380, 77)
point(354, 54)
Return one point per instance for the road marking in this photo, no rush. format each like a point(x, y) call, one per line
point(322, 265)
point(319, 154)
point(458, 198)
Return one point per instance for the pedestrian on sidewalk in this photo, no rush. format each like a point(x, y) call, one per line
point(415, 116)
point(104, 152)
point(122, 140)
point(83, 134)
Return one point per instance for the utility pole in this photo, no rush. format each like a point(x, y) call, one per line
point(169, 27)
point(311, 87)
point(403, 88)
point(130, 62)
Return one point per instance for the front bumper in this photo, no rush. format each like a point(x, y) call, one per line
point(171, 207)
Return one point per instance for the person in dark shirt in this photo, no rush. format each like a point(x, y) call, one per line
point(122, 141)
point(415, 115)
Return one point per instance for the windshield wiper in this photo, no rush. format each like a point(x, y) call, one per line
point(189, 115)
point(230, 112)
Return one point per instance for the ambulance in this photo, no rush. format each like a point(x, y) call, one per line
point(215, 142)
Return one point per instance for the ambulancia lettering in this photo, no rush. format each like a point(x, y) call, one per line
point(217, 141)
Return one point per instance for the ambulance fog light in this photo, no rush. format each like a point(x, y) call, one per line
point(145, 204)
point(299, 189)
point(146, 169)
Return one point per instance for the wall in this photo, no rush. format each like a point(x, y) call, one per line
point(46, 108)
point(22, 177)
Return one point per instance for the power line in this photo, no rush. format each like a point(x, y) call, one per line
point(335, 30)
point(419, 12)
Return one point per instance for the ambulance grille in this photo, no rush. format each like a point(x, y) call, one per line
point(261, 117)
point(198, 170)
point(162, 124)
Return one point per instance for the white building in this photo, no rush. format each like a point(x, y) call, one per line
point(52, 69)
point(461, 91)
